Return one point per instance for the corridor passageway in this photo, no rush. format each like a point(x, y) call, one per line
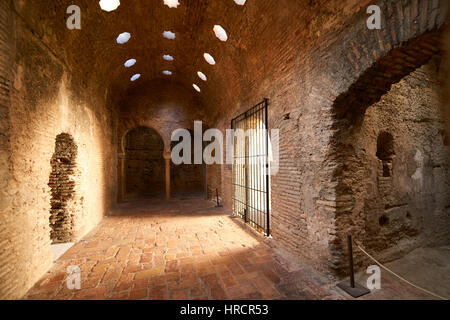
point(123, 124)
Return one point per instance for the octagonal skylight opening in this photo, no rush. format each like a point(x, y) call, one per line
point(171, 3)
point(130, 63)
point(202, 76)
point(220, 32)
point(169, 35)
point(109, 5)
point(240, 2)
point(123, 37)
point(196, 87)
point(167, 72)
point(209, 59)
point(135, 77)
point(167, 57)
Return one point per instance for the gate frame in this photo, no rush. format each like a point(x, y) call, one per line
point(245, 116)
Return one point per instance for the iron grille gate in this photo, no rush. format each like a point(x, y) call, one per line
point(251, 178)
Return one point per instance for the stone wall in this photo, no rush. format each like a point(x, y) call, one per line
point(398, 169)
point(41, 98)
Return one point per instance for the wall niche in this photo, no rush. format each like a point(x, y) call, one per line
point(62, 189)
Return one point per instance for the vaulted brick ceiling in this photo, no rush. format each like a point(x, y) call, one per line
point(265, 38)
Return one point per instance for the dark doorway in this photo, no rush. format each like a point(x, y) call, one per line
point(144, 164)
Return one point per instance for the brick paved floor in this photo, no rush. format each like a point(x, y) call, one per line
point(178, 250)
point(191, 250)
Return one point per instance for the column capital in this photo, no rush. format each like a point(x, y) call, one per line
point(167, 155)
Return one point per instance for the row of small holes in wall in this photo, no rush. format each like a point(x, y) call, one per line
point(221, 34)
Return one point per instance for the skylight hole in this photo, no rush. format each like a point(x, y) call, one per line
point(129, 63)
point(135, 77)
point(168, 57)
point(167, 72)
point(209, 59)
point(220, 32)
point(240, 2)
point(123, 38)
point(109, 5)
point(196, 87)
point(202, 76)
point(171, 3)
point(169, 35)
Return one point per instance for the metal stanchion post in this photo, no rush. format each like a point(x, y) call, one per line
point(217, 198)
point(354, 289)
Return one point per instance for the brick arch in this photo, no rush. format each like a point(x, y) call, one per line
point(375, 61)
point(377, 80)
point(131, 126)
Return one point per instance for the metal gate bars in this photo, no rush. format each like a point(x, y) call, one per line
point(251, 177)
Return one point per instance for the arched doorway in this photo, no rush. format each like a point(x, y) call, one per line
point(392, 179)
point(144, 164)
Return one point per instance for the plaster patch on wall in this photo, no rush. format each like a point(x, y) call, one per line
point(418, 175)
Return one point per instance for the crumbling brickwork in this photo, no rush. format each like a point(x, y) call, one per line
point(397, 171)
point(63, 203)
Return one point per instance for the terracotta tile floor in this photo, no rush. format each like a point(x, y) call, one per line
point(191, 250)
point(177, 250)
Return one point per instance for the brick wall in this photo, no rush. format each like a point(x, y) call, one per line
point(399, 199)
point(187, 178)
point(378, 60)
point(8, 236)
point(310, 91)
point(42, 98)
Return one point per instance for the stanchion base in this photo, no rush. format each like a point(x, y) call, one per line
point(355, 292)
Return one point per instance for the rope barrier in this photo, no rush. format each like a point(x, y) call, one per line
point(400, 277)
